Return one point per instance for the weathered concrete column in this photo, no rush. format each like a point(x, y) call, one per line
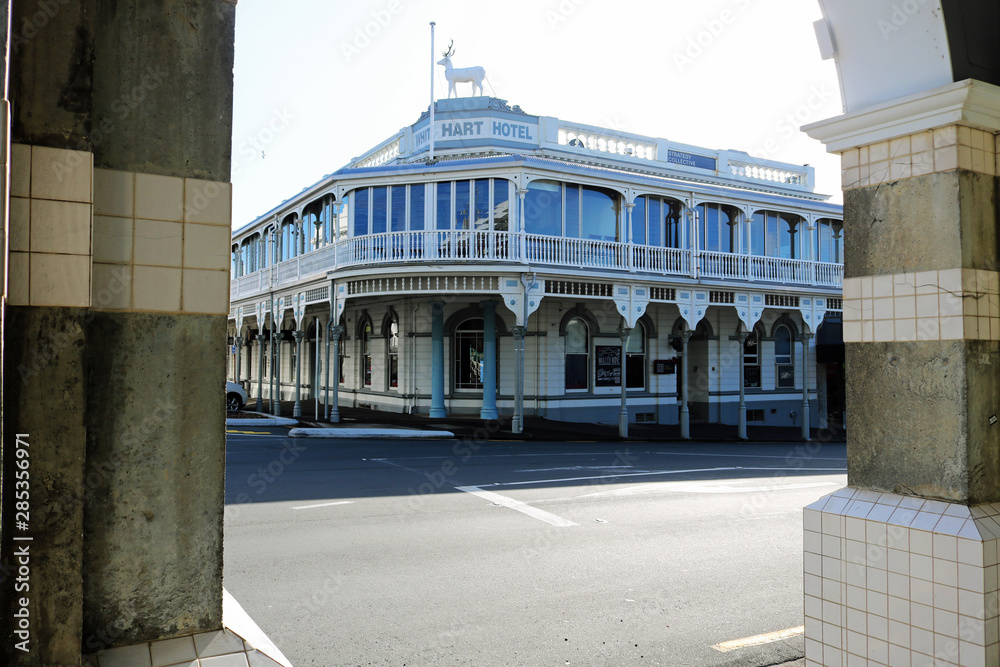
point(297, 408)
point(260, 371)
point(685, 410)
point(517, 423)
point(489, 409)
point(806, 337)
point(333, 407)
point(437, 360)
point(900, 567)
point(623, 334)
point(742, 428)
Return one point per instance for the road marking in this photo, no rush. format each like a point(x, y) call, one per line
point(518, 506)
point(759, 639)
point(249, 432)
point(624, 474)
point(577, 468)
point(309, 507)
point(753, 456)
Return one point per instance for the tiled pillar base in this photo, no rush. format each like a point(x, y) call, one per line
point(240, 644)
point(900, 581)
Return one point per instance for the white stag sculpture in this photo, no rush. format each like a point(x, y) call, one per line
point(473, 75)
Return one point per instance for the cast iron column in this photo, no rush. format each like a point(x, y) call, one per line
point(489, 409)
point(260, 372)
point(685, 411)
point(623, 334)
point(517, 424)
point(437, 360)
point(297, 408)
point(333, 407)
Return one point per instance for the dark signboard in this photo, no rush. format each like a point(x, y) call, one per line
point(691, 160)
point(751, 377)
point(664, 366)
point(786, 376)
point(608, 366)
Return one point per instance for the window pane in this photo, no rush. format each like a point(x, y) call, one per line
point(576, 371)
point(481, 219)
point(462, 204)
point(635, 371)
point(361, 212)
point(782, 345)
point(600, 214)
point(416, 207)
point(543, 208)
point(399, 208)
point(710, 220)
point(501, 207)
point(655, 224)
point(636, 341)
point(573, 211)
point(379, 209)
point(672, 219)
point(576, 337)
point(444, 205)
point(757, 234)
point(773, 249)
point(639, 221)
point(726, 229)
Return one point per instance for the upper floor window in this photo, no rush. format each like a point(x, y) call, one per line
point(776, 234)
point(830, 240)
point(656, 221)
point(718, 229)
point(575, 211)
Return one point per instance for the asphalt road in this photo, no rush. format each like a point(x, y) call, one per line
point(509, 553)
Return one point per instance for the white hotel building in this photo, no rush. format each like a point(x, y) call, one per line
point(508, 270)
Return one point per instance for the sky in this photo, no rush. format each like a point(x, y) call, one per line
point(319, 82)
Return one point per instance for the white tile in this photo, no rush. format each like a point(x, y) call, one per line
point(881, 514)
point(206, 291)
point(877, 557)
point(972, 630)
point(218, 643)
point(858, 509)
point(878, 603)
point(172, 651)
point(812, 607)
point(832, 590)
point(111, 287)
point(831, 614)
point(922, 592)
point(899, 655)
point(878, 651)
point(812, 542)
point(902, 517)
point(899, 608)
point(832, 656)
point(857, 598)
point(857, 621)
point(855, 552)
point(855, 529)
point(971, 655)
point(878, 580)
point(20, 170)
point(945, 649)
point(158, 243)
point(206, 246)
point(972, 578)
point(258, 659)
point(971, 604)
point(20, 224)
point(156, 289)
point(112, 239)
point(18, 279)
point(878, 627)
point(925, 521)
point(857, 644)
point(950, 525)
point(812, 585)
point(114, 193)
point(831, 518)
point(208, 202)
point(811, 520)
point(61, 174)
point(159, 197)
point(234, 660)
point(898, 585)
point(897, 537)
point(922, 641)
point(911, 502)
point(136, 655)
point(856, 574)
point(60, 227)
point(946, 622)
point(60, 280)
point(830, 546)
point(921, 542)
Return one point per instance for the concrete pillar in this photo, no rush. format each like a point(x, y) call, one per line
point(806, 337)
point(623, 334)
point(685, 410)
point(742, 428)
point(489, 409)
point(437, 360)
point(333, 406)
point(901, 566)
point(297, 408)
point(260, 371)
point(121, 553)
point(517, 424)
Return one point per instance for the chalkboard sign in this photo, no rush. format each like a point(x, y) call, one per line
point(608, 369)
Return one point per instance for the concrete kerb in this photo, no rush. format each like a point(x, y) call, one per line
point(363, 432)
point(264, 421)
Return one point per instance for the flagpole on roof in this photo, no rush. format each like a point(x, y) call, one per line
point(431, 154)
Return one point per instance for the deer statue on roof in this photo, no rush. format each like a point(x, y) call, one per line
point(473, 75)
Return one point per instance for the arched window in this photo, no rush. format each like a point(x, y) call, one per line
point(775, 234)
point(784, 358)
point(468, 355)
point(392, 353)
point(590, 212)
point(635, 358)
point(577, 354)
point(830, 240)
point(543, 208)
point(718, 227)
point(366, 353)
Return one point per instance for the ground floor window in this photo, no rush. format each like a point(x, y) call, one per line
point(366, 354)
point(468, 356)
point(751, 361)
point(635, 358)
point(392, 354)
point(577, 354)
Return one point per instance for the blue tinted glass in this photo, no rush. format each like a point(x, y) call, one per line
point(786, 236)
point(501, 207)
point(444, 205)
point(757, 234)
point(600, 214)
point(399, 208)
point(710, 222)
point(361, 212)
point(782, 345)
point(481, 218)
point(655, 222)
point(543, 208)
point(639, 221)
point(380, 209)
point(726, 230)
point(773, 249)
point(462, 205)
point(573, 211)
point(672, 220)
point(416, 207)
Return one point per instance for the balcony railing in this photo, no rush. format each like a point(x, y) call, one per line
point(510, 247)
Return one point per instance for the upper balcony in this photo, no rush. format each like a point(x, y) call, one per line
point(485, 248)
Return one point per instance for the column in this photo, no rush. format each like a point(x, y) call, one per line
point(489, 409)
point(517, 424)
point(260, 371)
point(437, 360)
point(629, 248)
point(623, 334)
point(742, 429)
point(685, 411)
point(319, 369)
point(297, 408)
point(923, 449)
point(276, 395)
point(522, 234)
point(239, 361)
point(333, 406)
point(805, 385)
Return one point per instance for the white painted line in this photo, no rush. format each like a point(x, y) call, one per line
point(339, 502)
point(518, 506)
point(757, 640)
point(802, 457)
point(576, 468)
point(624, 474)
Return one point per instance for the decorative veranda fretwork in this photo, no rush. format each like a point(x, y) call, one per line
point(722, 297)
point(578, 288)
point(834, 304)
point(781, 300)
point(318, 294)
point(662, 294)
point(418, 284)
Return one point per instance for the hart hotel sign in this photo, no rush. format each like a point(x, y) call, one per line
point(482, 128)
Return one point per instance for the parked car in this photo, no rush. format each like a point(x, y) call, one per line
point(236, 396)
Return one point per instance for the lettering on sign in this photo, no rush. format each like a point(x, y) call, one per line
point(608, 366)
point(487, 128)
point(691, 160)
